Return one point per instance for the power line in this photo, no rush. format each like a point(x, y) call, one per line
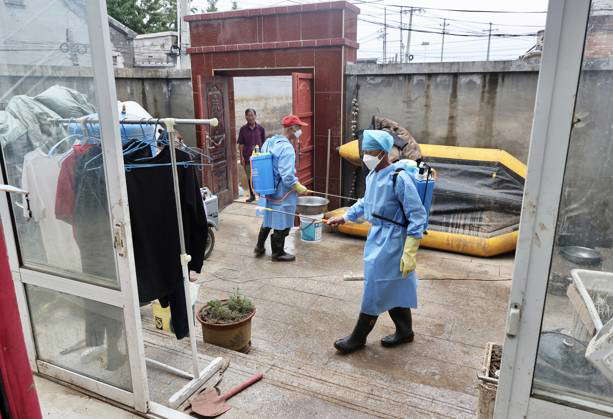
point(457, 10)
point(476, 35)
point(485, 23)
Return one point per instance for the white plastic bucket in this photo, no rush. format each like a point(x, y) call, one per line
point(311, 228)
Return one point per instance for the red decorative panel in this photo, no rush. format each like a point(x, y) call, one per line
point(328, 70)
point(321, 25)
point(218, 144)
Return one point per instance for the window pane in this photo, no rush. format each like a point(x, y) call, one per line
point(46, 75)
point(80, 335)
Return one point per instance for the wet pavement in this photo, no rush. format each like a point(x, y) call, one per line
point(303, 307)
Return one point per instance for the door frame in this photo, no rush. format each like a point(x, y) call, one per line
point(553, 115)
point(201, 99)
point(127, 297)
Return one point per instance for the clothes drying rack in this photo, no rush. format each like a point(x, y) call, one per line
point(198, 377)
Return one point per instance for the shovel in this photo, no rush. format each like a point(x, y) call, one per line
point(211, 404)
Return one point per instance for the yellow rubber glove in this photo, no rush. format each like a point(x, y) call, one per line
point(408, 261)
point(300, 188)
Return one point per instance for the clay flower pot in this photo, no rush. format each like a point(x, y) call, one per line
point(235, 336)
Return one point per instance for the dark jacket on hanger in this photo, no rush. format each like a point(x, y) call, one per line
point(154, 226)
point(156, 235)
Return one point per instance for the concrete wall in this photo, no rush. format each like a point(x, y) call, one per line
point(153, 50)
point(161, 92)
point(123, 48)
point(472, 104)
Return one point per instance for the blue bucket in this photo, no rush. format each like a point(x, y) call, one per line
point(311, 228)
point(262, 174)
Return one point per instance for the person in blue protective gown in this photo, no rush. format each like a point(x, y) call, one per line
point(398, 219)
point(282, 203)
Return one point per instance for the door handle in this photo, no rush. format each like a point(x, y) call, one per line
point(27, 211)
point(513, 320)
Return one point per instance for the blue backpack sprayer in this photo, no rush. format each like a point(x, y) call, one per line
point(262, 178)
point(422, 176)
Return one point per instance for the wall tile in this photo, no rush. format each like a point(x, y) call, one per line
point(351, 26)
point(350, 55)
point(225, 60)
point(320, 25)
point(328, 113)
point(257, 59)
point(328, 70)
point(304, 57)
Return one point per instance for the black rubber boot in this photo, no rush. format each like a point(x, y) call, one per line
point(277, 242)
point(357, 339)
point(404, 328)
point(259, 247)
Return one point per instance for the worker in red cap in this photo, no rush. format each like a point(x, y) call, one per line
point(287, 187)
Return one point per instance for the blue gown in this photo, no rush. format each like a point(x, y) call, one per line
point(384, 286)
point(284, 173)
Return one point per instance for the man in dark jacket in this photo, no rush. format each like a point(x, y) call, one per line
point(250, 135)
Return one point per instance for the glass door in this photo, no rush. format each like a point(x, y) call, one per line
point(558, 353)
point(573, 363)
point(71, 251)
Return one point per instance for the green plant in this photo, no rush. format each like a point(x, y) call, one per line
point(212, 6)
point(234, 309)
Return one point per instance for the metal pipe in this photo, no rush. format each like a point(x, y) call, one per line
point(279, 211)
point(168, 368)
point(487, 379)
point(145, 121)
point(333, 195)
point(328, 162)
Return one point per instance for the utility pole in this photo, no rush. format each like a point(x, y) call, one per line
point(443, 43)
point(384, 35)
point(407, 54)
point(489, 41)
point(182, 34)
point(401, 55)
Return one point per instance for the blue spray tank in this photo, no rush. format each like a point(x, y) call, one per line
point(423, 177)
point(262, 177)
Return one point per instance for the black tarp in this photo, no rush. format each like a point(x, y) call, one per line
point(475, 197)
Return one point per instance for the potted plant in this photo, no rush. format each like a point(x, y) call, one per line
point(227, 323)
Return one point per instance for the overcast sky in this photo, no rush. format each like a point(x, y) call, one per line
point(427, 46)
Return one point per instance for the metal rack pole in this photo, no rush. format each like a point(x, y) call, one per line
point(185, 258)
point(145, 121)
point(199, 378)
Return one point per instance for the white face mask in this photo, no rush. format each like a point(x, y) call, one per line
point(298, 133)
point(371, 161)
